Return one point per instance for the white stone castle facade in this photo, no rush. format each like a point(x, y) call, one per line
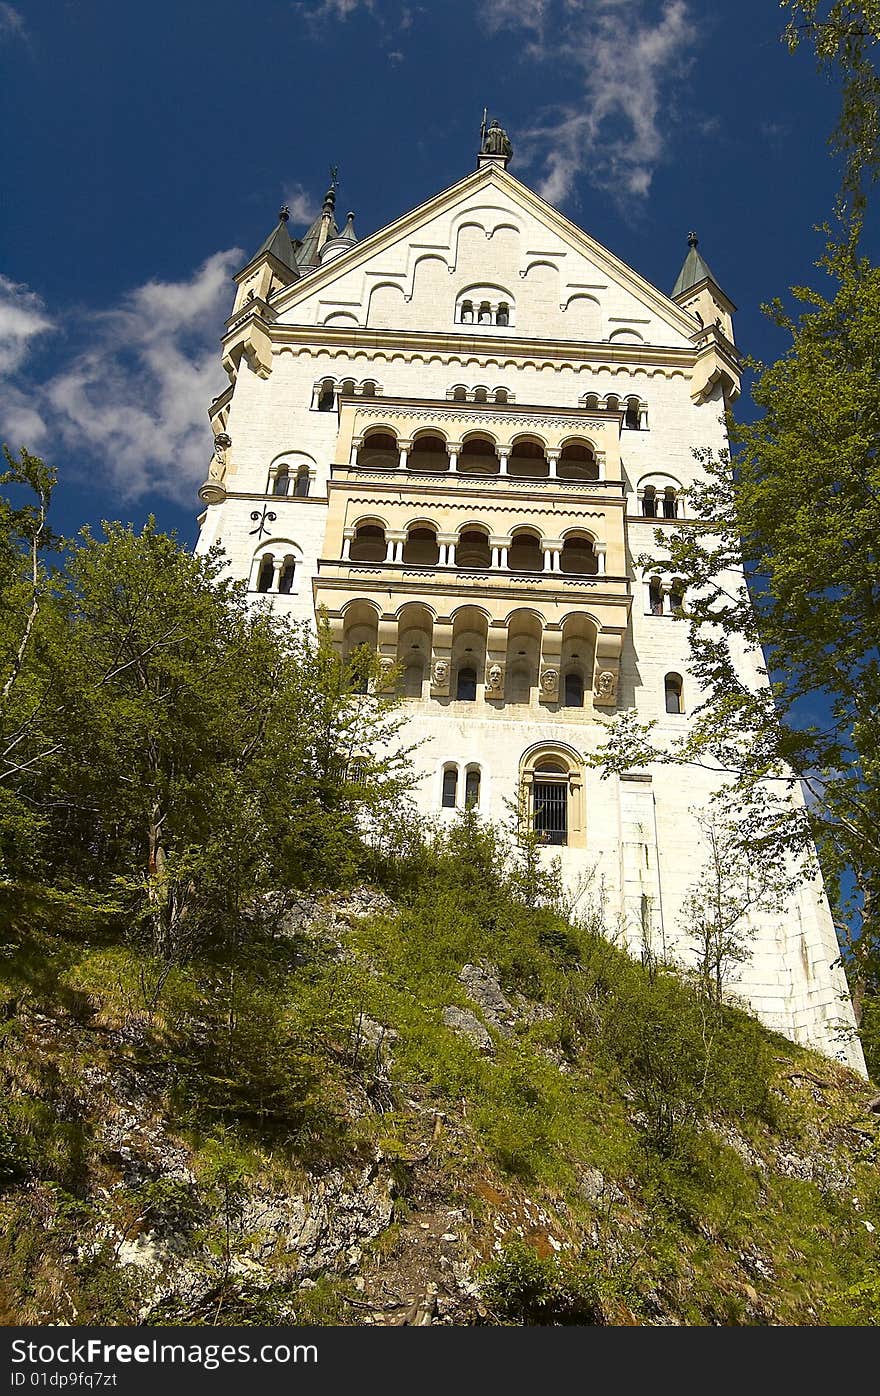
point(457, 436)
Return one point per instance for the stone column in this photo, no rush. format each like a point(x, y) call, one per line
point(599, 550)
point(503, 457)
point(256, 567)
point(356, 443)
point(553, 459)
point(600, 462)
point(347, 536)
point(404, 447)
point(453, 448)
point(502, 554)
point(395, 545)
point(277, 569)
point(446, 543)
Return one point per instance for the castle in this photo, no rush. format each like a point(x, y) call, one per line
point(457, 436)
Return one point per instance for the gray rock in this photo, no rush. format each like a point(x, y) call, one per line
point(466, 1024)
point(481, 983)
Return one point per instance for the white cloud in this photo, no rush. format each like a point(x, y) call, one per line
point(135, 401)
point(22, 318)
point(12, 25)
point(625, 54)
point(303, 208)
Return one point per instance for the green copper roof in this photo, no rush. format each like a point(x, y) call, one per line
point(307, 251)
point(694, 270)
point(278, 243)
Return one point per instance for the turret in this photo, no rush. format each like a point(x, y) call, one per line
point(272, 266)
point(697, 290)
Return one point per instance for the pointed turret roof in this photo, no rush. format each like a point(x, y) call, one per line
point(308, 252)
point(278, 244)
point(694, 270)
point(348, 233)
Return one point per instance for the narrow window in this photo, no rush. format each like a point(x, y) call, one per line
point(285, 581)
point(472, 788)
point(301, 484)
point(550, 809)
point(266, 573)
point(467, 312)
point(631, 420)
point(357, 771)
point(281, 484)
point(484, 315)
point(450, 786)
point(368, 390)
point(649, 502)
point(676, 596)
point(673, 692)
point(501, 395)
point(670, 505)
point(655, 597)
point(466, 686)
point(327, 398)
point(459, 395)
point(503, 315)
point(574, 690)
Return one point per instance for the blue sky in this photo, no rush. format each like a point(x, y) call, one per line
point(148, 148)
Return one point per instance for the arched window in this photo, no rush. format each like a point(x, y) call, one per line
point(368, 544)
point(672, 687)
point(574, 689)
point(379, 451)
point(478, 456)
point(281, 483)
point(612, 403)
point(480, 395)
point(578, 556)
point(368, 389)
point(327, 396)
point(466, 685)
point(501, 395)
point(591, 402)
point(527, 460)
point(503, 314)
point(676, 595)
point(649, 502)
point(577, 461)
point(670, 503)
point(285, 579)
point(421, 548)
point(550, 801)
point(450, 787)
point(484, 314)
point(632, 419)
point(467, 312)
point(472, 787)
point(302, 482)
point(525, 553)
point(472, 549)
point(428, 452)
point(655, 597)
point(347, 387)
point(552, 779)
point(459, 394)
point(266, 573)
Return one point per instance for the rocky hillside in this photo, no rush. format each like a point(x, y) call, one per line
point(431, 1110)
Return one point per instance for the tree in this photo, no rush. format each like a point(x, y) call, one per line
point(843, 34)
point(175, 746)
point(799, 505)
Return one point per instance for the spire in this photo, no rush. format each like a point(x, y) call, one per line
point(278, 244)
point(348, 232)
point(308, 253)
point(694, 269)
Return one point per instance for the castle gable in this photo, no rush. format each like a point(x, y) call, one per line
point(487, 257)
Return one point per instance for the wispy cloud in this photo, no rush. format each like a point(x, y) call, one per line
point(624, 57)
point(23, 318)
point(133, 402)
point(12, 25)
point(303, 207)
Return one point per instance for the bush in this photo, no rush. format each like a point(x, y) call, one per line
point(523, 1289)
